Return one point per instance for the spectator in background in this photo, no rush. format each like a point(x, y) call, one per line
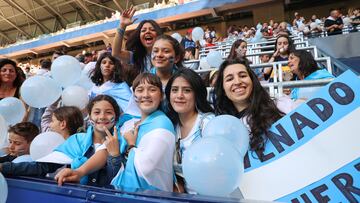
point(88, 57)
point(314, 25)
point(298, 20)
point(355, 19)
point(282, 30)
point(283, 46)
point(187, 41)
point(10, 79)
point(80, 57)
point(45, 68)
point(209, 42)
point(265, 58)
point(334, 24)
point(109, 48)
point(304, 67)
point(27, 71)
point(56, 54)
point(238, 50)
point(189, 56)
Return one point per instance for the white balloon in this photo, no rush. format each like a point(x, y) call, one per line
point(177, 36)
point(85, 82)
point(3, 189)
point(12, 109)
point(3, 134)
point(66, 70)
point(40, 91)
point(75, 96)
point(214, 59)
point(202, 43)
point(197, 34)
point(204, 64)
point(44, 144)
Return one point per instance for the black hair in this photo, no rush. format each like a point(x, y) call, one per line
point(261, 112)
point(19, 73)
point(118, 73)
point(235, 45)
point(307, 63)
point(46, 64)
point(197, 86)
point(134, 44)
point(291, 46)
point(179, 50)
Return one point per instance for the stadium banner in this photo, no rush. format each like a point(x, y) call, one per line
point(313, 153)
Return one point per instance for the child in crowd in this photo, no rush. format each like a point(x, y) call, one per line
point(149, 144)
point(104, 113)
point(20, 137)
point(65, 120)
point(167, 57)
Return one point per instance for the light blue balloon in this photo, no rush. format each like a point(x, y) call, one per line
point(197, 34)
point(212, 166)
point(12, 109)
point(85, 81)
point(177, 36)
point(232, 129)
point(3, 189)
point(214, 59)
point(40, 91)
point(66, 70)
point(3, 135)
point(22, 158)
point(258, 26)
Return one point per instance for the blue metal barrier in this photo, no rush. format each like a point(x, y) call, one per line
point(25, 189)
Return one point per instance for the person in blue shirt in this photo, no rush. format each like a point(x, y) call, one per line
point(150, 143)
point(304, 67)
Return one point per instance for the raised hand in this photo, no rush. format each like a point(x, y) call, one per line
point(112, 142)
point(67, 175)
point(126, 17)
point(131, 136)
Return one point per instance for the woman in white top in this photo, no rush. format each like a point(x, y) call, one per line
point(190, 112)
point(109, 79)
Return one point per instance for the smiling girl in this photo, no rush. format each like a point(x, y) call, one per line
point(150, 145)
point(104, 113)
point(167, 57)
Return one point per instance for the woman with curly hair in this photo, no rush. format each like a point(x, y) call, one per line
point(108, 77)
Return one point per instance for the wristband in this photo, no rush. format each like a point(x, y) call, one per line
point(121, 31)
point(128, 150)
